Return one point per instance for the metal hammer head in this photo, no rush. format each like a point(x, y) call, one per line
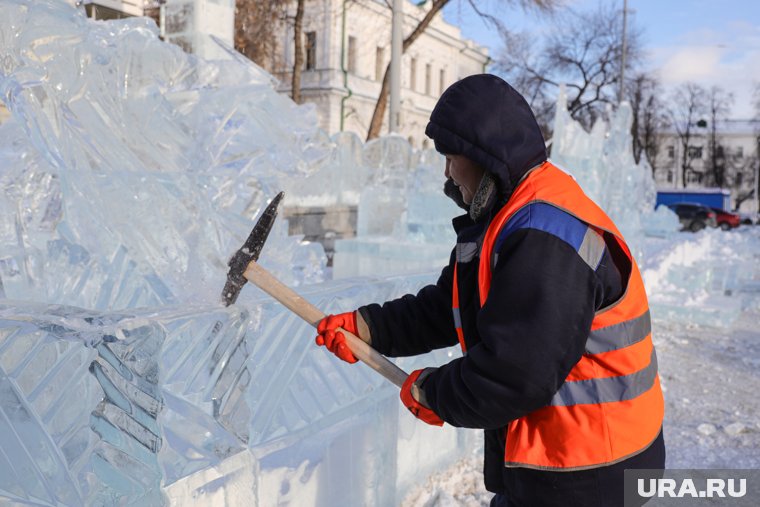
point(249, 252)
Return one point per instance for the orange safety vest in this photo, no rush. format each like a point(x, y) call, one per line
point(610, 406)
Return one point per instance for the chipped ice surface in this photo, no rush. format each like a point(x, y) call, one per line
point(194, 404)
point(131, 170)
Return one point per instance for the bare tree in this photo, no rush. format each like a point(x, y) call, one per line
point(643, 92)
point(520, 61)
point(436, 6)
point(295, 88)
point(688, 105)
point(256, 25)
point(737, 171)
point(583, 51)
point(718, 106)
point(755, 192)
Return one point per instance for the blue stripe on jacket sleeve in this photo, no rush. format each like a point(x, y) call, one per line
point(545, 217)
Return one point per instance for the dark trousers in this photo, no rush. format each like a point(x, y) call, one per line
point(597, 487)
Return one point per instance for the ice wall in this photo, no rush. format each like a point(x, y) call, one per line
point(203, 406)
point(132, 170)
point(403, 209)
point(130, 173)
point(403, 216)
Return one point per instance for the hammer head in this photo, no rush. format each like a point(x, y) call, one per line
point(249, 252)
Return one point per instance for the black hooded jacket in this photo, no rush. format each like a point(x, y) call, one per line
point(525, 340)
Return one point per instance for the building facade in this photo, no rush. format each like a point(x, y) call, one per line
point(736, 160)
point(347, 48)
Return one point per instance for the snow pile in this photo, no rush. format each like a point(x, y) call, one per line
point(459, 486)
point(705, 278)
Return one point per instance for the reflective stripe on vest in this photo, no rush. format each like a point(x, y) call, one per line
point(455, 311)
point(610, 406)
point(544, 217)
point(607, 389)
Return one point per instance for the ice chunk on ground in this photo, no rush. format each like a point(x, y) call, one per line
point(735, 429)
point(706, 429)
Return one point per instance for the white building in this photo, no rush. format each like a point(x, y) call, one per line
point(347, 48)
point(737, 153)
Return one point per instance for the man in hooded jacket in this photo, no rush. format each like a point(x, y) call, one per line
point(529, 313)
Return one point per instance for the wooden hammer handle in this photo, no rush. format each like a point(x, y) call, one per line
point(311, 314)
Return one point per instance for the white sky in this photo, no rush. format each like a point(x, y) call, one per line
point(712, 42)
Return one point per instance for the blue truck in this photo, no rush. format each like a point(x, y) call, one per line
point(711, 197)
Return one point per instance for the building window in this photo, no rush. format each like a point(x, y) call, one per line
point(695, 152)
point(413, 74)
point(428, 77)
point(311, 50)
point(670, 176)
point(694, 177)
point(379, 63)
point(739, 153)
point(739, 179)
point(352, 54)
point(671, 152)
point(442, 81)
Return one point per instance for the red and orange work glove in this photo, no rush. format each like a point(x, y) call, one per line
point(334, 340)
point(417, 409)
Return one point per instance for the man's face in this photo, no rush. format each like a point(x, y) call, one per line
point(466, 175)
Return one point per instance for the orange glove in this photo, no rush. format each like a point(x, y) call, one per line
point(417, 409)
point(334, 340)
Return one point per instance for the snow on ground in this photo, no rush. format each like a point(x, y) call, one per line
point(459, 486)
point(708, 354)
point(711, 380)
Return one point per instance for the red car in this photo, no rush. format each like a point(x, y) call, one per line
point(725, 219)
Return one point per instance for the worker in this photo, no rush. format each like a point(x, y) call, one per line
point(548, 306)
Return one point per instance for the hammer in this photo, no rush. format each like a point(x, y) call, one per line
point(243, 266)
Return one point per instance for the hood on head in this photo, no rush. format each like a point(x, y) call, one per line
point(484, 119)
